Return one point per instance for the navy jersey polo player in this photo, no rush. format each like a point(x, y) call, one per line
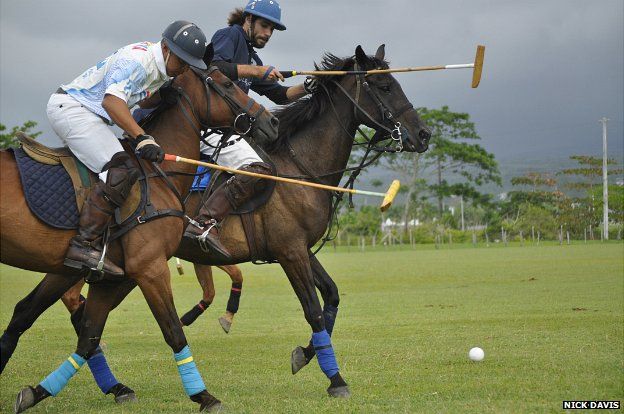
point(235, 55)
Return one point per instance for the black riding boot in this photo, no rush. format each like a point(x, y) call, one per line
point(85, 249)
point(236, 191)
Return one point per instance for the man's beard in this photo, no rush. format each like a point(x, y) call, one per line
point(259, 46)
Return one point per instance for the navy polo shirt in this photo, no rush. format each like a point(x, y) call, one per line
point(231, 45)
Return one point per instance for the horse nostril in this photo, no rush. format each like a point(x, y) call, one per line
point(424, 135)
point(274, 121)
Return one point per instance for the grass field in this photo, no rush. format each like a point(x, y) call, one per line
point(549, 318)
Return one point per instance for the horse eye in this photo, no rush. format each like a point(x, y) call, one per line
point(385, 88)
point(229, 84)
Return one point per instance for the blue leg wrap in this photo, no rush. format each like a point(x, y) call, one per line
point(58, 379)
point(329, 314)
point(325, 353)
point(101, 371)
point(191, 379)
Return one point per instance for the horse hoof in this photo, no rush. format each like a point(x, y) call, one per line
point(297, 360)
point(225, 324)
point(126, 398)
point(339, 392)
point(123, 393)
point(215, 407)
point(25, 399)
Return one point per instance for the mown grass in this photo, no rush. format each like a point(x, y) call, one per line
point(550, 320)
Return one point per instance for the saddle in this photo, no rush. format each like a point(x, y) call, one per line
point(257, 249)
point(56, 184)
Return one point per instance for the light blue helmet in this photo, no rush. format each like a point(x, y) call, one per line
point(267, 9)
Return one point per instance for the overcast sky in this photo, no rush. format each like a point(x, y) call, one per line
point(552, 68)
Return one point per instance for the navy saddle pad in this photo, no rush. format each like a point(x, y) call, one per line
point(49, 191)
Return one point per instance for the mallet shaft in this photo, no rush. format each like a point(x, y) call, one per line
point(169, 157)
point(388, 196)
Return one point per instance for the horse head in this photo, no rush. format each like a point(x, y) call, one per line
point(217, 103)
point(382, 105)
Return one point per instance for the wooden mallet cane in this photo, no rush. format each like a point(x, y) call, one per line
point(477, 67)
point(388, 196)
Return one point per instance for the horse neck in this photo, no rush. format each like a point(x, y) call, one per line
point(323, 145)
point(177, 136)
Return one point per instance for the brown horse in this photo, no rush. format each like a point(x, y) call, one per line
point(316, 138)
point(210, 99)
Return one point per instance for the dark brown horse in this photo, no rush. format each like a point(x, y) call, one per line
point(316, 137)
point(28, 243)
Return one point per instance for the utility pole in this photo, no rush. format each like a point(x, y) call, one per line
point(461, 202)
point(605, 181)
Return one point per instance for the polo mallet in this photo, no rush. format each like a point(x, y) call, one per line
point(477, 67)
point(388, 196)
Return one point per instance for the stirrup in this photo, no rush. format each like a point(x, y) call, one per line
point(201, 239)
point(97, 274)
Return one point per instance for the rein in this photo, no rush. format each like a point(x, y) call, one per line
point(243, 112)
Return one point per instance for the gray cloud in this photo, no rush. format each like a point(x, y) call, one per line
point(552, 68)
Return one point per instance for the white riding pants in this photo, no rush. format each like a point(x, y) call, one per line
point(85, 133)
point(232, 156)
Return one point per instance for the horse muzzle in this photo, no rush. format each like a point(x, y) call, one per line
point(265, 130)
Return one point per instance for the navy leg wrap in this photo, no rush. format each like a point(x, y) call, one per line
point(234, 300)
point(101, 371)
point(325, 353)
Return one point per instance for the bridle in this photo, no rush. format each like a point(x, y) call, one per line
point(243, 121)
point(388, 124)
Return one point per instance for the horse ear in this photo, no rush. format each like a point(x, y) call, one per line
point(209, 54)
point(381, 52)
point(360, 56)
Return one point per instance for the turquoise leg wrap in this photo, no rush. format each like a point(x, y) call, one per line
point(58, 379)
point(325, 353)
point(191, 379)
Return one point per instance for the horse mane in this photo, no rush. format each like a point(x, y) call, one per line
point(298, 114)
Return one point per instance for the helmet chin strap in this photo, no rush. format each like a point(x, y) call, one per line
point(251, 34)
point(167, 58)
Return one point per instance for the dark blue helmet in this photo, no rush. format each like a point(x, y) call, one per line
point(267, 9)
point(186, 41)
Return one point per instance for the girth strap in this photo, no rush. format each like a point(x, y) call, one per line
point(249, 226)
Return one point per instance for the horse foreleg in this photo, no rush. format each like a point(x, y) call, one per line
point(157, 292)
point(26, 312)
point(235, 293)
point(102, 374)
point(102, 298)
point(301, 356)
point(297, 266)
point(204, 277)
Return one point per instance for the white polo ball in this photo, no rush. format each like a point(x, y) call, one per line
point(476, 354)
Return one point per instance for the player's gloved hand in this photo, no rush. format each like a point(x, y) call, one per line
point(148, 149)
point(310, 84)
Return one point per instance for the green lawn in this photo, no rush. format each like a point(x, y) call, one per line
point(550, 320)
